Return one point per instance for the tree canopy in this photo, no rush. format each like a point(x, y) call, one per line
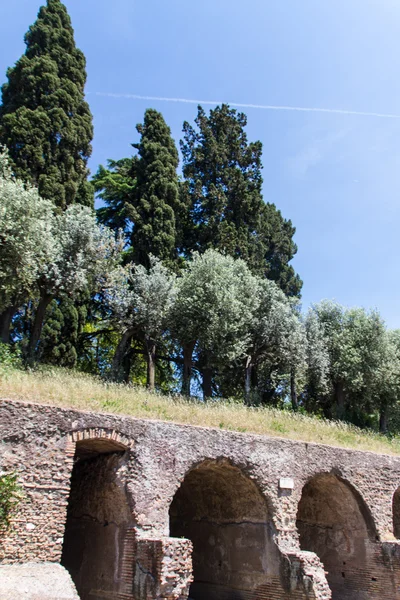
point(178, 280)
point(45, 121)
point(141, 194)
point(25, 230)
point(140, 301)
point(223, 193)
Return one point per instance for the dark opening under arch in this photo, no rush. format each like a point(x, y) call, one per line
point(98, 517)
point(226, 517)
point(334, 522)
point(396, 513)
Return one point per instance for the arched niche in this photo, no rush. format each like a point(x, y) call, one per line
point(98, 517)
point(396, 513)
point(334, 522)
point(226, 517)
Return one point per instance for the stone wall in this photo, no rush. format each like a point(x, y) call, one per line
point(256, 514)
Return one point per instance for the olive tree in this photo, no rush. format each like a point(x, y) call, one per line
point(385, 387)
point(139, 301)
point(316, 383)
point(355, 342)
point(211, 314)
point(26, 242)
point(81, 253)
point(277, 339)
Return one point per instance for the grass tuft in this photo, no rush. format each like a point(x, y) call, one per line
point(60, 387)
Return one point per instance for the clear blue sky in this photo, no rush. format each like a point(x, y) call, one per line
point(337, 177)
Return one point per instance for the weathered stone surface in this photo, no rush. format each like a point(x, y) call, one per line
point(36, 582)
point(136, 484)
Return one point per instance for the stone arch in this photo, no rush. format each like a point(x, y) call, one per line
point(334, 522)
point(99, 531)
point(396, 513)
point(227, 518)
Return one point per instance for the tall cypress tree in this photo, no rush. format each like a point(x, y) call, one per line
point(44, 120)
point(222, 189)
point(157, 192)
point(141, 194)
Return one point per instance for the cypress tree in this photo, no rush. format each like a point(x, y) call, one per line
point(44, 120)
point(157, 192)
point(222, 189)
point(275, 250)
point(60, 335)
point(141, 194)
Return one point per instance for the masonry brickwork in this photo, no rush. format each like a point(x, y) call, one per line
point(148, 510)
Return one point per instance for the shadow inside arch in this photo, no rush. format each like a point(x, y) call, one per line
point(229, 521)
point(335, 523)
point(99, 523)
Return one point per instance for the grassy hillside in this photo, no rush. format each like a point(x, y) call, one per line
point(70, 389)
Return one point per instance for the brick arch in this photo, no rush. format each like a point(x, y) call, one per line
point(246, 470)
point(228, 519)
point(100, 433)
point(334, 522)
point(396, 513)
point(100, 537)
point(354, 492)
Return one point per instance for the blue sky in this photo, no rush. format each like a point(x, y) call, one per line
point(336, 176)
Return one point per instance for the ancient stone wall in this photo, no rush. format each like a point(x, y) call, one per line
point(257, 515)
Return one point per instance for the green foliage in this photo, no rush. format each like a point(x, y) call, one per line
point(10, 496)
point(140, 301)
point(116, 187)
point(275, 352)
point(210, 317)
point(81, 254)
point(44, 120)
point(222, 190)
point(9, 357)
point(140, 298)
point(60, 336)
point(215, 299)
point(157, 193)
point(357, 346)
point(142, 194)
point(275, 250)
point(26, 222)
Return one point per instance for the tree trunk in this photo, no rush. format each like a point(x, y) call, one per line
point(126, 366)
point(340, 399)
point(5, 324)
point(248, 380)
point(254, 378)
point(36, 330)
point(293, 390)
point(383, 420)
point(187, 368)
point(151, 364)
point(117, 369)
point(207, 383)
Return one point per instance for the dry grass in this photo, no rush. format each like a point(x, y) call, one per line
point(63, 388)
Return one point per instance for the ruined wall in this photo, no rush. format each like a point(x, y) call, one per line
point(159, 459)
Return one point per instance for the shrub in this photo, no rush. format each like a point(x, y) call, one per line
point(10, 497)
point(9, 357)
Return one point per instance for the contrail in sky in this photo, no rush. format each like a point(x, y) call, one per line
point(334, 111)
